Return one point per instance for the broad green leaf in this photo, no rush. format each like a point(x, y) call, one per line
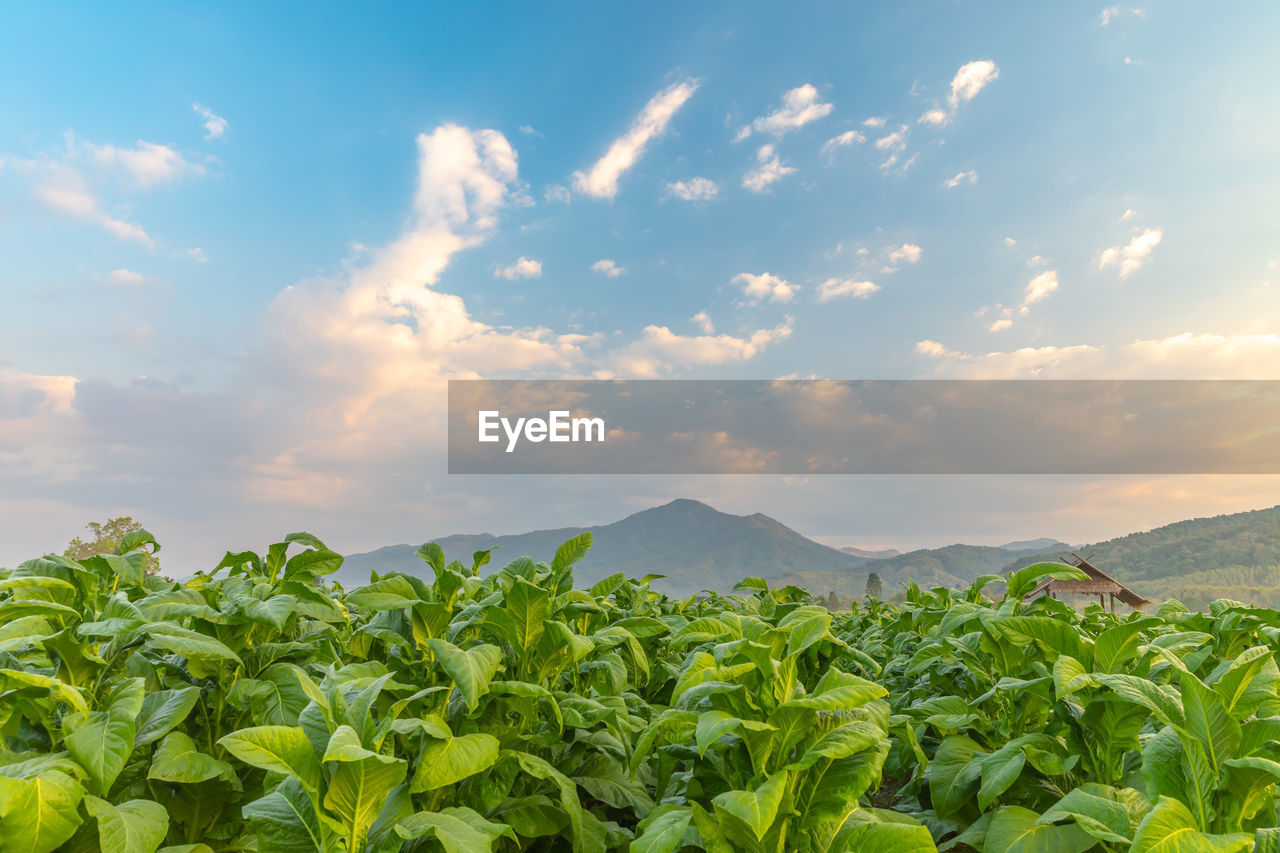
point(840, 743)
point(162, 711)
point(178, 760)
point(357, 793)
point(280, 749)
point(757, 809)
point(1015, 829)
point(1170, 828)
point(136, 826)
point(529, 607)
point(953, 774)
point(458, 829)
point(664, 833)
point(444, 762)
point(571, 551)
point(38, 814)
point(189, 644)
point(1097, 810)
point(883, 838)
point(285, 821)
point(471, 669)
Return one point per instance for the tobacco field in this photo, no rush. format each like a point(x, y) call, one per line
point(258, 707)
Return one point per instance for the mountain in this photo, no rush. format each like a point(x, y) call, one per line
point(1156, 561)
point(1038, 545)
point(952, 566)
point(695, 546)
point(870, 555)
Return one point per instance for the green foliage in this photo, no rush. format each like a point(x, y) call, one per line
point(257, 707)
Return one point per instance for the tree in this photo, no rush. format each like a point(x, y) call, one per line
point(833, 600)
point(875, 589)
point(106, 538)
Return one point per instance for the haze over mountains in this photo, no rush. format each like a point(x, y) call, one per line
point(698, 547)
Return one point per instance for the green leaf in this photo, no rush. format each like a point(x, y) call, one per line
point(758, 808)
point(1000, 770)
point(136, 826)
point(102, 742)
point(433, 555)
point(883, 838)
point(529, 607)
point(571, 552)
point(1209, 722)
point(393, 593)
point(1097, 810)
point(38, 814)
point(178, 760)
point(280, 749)
point(840, 743)
point(1170, 828)
point(357, 793)
point(953, 774)
point(664, 832)
point(458, 829)
point(444, 762)
point(1014, 829)
point(1024, 580)
point(471, 670)
point(285, 821)
point(162, 711)
point(189, 644)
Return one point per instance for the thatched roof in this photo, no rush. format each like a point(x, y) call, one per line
point(1099, 583)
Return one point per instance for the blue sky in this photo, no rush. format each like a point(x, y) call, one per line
point(245, 246)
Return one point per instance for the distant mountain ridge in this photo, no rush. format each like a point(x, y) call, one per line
point(695, 546)
point(698, 547)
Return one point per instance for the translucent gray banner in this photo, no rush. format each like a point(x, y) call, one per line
point(864, 427)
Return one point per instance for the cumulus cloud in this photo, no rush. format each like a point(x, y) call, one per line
point(769, 170)
point(874, 121)
point(971, 79)
point(969, 177)
point(800, 106)
point(601, 180)
point(607, 267)
point(529, 130)
point(908, 252)
point(197, 254)
point(127, 276)
point(703, 321)
point(844, 140)
point(214, 125)
point(556, 194)
point(1184, 356)
point(146, 164)
point(1130, 258)
point(765, 286)
point(1110, 13)
point(936, 117)
point(694, 189)
point(834, 288)
point(894, 143)
point(522, 268)
point(1040, 287)
point(658, 348)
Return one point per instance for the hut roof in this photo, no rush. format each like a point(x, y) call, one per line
point(1099, 583)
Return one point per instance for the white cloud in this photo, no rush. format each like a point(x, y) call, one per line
point(895, 141)
point(1110, 13)
point(971, 79)
point(556, 194)
point(834, 288)
point(1128, 259)
point(1037, 261)
point(844, 140)
point(214, 125)
point(1010, 242)
point(1184, 356)
point(147, 164)
point(197, 254)
point(908, 252)
point(658, 348)
point(695, 189)
point(126, 276)
point(936, 117)
point(1040, 287)
point(800, 106)
point(703, 321)
point(606, 266)
point(961, 178)
point(529, 130)
point(601, 180)
point(769, 170)
point(1129, 213)
point(765, 286)
point(522, 268)
point(874, 121)
point(78, 203)
point(1002, 322)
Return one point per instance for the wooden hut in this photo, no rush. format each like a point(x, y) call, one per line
point(1099, 583)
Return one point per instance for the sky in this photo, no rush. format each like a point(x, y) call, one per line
point(244, 247)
